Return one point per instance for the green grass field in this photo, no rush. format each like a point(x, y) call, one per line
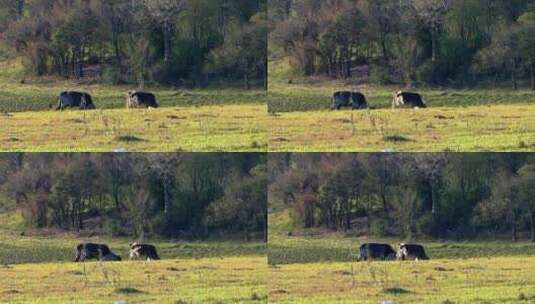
point(38, 268)
point(208, 119)
point(206, 128)
point(206, 280)
point(474, 128)
point(441, 281)
point(318, 266)
point(39, 94)
point(476, 119)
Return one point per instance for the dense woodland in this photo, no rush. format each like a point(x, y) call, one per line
point(193, 195)
point(437, 42)
point(178, 42)
point(446, 195)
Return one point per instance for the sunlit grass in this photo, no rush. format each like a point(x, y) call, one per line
point(37, 267)
point(473, 128)
point(478, 280)
point(320, 266)
point(458, 119)
point(206, 128)
point(18, 94)
point(209, 280)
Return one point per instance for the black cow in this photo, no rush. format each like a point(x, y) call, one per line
point(372, 251)
point(145, 251)
point(109, 257)
point(71, 99)
point(87, 251)
point(355, 100)
point(137, 99)
point(408, 100)
point(411, 252)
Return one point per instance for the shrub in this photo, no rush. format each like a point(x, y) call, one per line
point(112, 75)
point(380, 75)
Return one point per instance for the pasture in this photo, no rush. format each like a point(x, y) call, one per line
point(458, 119)
point(40, 93)
point(38, 268)
point(167, 129)
point(318, 266)
point(441, 281)
point(208, 119)
point(472, 128)
point(207, 280)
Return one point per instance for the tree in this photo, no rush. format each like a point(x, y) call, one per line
point(526, 187)
point(526, 40)
point(165, 12)
point(432, 13)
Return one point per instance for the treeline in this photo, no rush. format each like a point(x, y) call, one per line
point(178, 42)
point(445, 195)
point(437, 42)
point(193, 195)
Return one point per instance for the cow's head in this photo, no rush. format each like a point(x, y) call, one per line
point(402, 252)
point(397, 98)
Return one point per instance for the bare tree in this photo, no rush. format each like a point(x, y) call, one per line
point(165, 11)
point(432, 13)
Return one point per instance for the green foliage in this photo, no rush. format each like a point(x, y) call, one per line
point(379, 75)
point(430, 42)
point(138, 41)
point(173, 195)
point(410, 195)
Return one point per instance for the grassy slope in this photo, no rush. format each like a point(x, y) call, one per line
point(457, 120)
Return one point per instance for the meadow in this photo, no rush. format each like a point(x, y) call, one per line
point(473, 128)
point(441, 281)
point(208, 119)
point(320, 266)
point(206, 280)
point(208, 128)
point(37, 267)
point(458, 119)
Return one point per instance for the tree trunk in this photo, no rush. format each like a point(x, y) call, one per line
point(166, 41)
point(513, 231)
point(246, 80)
point(433, 45)
point(20, 9)
point(532, 225)
point(532, 73)
point(513, 78)
point(384, 48)
point(433, 198)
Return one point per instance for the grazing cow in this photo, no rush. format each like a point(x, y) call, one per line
point(371, 251)
point(411, 252)
point(145, 251)
point(137, 99)
point(71, 99)
point(87, 251)
point(107, 257)
point(408, 100)
point(355, 100)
